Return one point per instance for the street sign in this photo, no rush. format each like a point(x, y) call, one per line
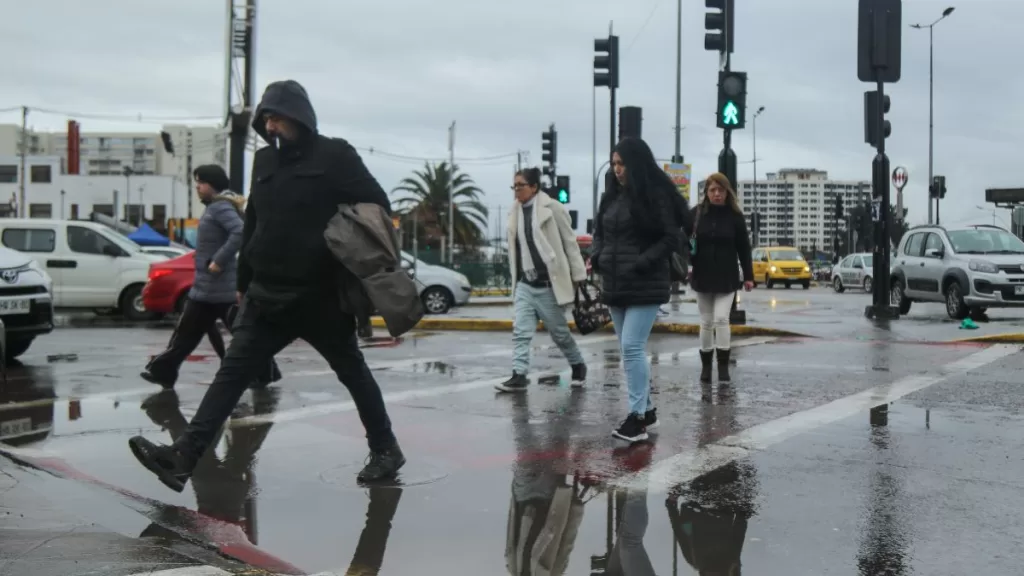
point(900, 177)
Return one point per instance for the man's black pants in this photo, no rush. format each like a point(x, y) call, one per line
point(258, 335)
point(197, 319)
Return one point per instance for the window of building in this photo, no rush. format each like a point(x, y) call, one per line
point(160, 216)
point(41, 174)
point(8, 173)
point(85, 241)
point(106, 209)
point(29, 239)
point(134, 212)
point(40, 210)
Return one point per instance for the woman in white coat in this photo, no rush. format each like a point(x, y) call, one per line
point(546, 267)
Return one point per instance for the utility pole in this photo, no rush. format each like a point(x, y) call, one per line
point(240, 56)
point(188, 170)
point(451, 193)
point(756, 220)
point(23, 152)
point(677, 158)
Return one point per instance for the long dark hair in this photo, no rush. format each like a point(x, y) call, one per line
point(647, 187)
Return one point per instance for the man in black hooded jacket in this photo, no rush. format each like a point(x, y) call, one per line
point(288, 283)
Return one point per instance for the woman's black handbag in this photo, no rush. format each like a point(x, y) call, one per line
point(589, 314)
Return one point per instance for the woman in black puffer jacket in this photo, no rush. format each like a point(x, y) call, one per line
point(720, 240)
point(636, 231)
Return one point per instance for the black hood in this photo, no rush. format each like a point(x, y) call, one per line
point(287, 98)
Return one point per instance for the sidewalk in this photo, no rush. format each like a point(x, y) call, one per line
point(54, 526)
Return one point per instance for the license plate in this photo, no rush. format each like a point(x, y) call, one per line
point(15, 306)
point(1018, 290)
point(15, 427)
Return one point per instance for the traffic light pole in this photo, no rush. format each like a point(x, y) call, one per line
point(727, 166)
point(881, 307)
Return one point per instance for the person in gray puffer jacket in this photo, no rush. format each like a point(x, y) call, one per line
point(212, 297)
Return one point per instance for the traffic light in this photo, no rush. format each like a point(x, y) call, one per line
point(562, 190)
point(937, 188)
point(574, 218)
point(549, 145)
point(630, 122)
point(872, 110)
point(732, 100)
point(839, 206)
point(719, 26)
point(606, 62)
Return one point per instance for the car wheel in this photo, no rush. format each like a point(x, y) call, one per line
point(768, 282)
point(788, 285)
point(132, 306)
point(807, 284)
point(898, 299)
point(437, 300)
point(16, 347)
point(837, 285)
point(956, 308)
point(869, 284)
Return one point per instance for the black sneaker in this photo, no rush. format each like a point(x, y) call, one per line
point(152, 378)
point(632, 429)
point(651, 418)
point(382, 465)
point(517, 383)
point(579, 375)
point(170, 466)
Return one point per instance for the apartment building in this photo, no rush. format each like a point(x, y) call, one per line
point(50, 193)
point(109, 153)
point(797, 206)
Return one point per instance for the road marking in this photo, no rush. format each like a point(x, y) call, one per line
point(691, 464)
point(187, 571)
point(416, 393)
point(408, 362)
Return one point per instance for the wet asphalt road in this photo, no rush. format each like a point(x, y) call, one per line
point(789, 472)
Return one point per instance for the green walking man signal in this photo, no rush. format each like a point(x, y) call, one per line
point(730, 114)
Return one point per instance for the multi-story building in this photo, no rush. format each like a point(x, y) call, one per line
point(50, 193)
point(108, 153)
point(797, 206)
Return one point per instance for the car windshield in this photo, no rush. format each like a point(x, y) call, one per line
point(122, 241)
point(985, 241)
point(786, 255)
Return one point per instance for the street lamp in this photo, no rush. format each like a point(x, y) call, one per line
point(757, 216)
point(931, 93)
point(127, 194)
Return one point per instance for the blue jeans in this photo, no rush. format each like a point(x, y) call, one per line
point(633, 327)
point(533, 303)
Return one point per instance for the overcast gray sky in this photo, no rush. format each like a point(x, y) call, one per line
point(393, 74)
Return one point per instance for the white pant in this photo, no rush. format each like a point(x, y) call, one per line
point(714, 319)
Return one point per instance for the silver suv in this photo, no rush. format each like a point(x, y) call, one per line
point(970, 268)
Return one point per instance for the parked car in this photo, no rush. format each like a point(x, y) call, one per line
point(91, 265)
point(26, 301)
point(168, 252)
point(169, 283)
point(440, 288)
point(969, 268)
point(780, 264)
point(854, 272)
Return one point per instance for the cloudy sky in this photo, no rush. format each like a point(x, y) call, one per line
point(393, 74)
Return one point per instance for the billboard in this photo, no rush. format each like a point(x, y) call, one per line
point(680, 175)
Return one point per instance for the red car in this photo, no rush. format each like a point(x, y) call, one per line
point(169, 283)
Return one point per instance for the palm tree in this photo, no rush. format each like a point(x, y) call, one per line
point(425, 197)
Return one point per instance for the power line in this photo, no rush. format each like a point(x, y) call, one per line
point(636, 37)
point(114, 117)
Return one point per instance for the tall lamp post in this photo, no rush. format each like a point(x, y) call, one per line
point(127, 194)
point(931, 101)
point(757, 216)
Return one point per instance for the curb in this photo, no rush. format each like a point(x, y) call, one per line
point(492, 292)
point(1007, 338)
point(472, 304)
point(505, 325)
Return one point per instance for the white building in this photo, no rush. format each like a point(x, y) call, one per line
point(49, 193)
point(797, 206)
point(109, 153)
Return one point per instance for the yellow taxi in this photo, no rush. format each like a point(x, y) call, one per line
point(780, 265)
